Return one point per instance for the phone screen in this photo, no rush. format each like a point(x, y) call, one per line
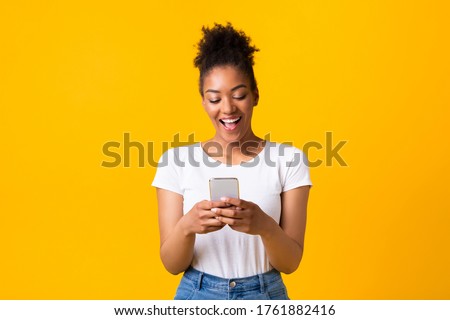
point(223, 187)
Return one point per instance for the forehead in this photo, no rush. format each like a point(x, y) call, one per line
point(224, 78)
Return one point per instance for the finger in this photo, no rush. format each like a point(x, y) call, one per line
point(229, 221)
point(230, 207)
point(214, 222)
point(220, 204)
point(208, 214)
point(211, 229)
point(228, 213)
point(208, 205)
point(235, 201)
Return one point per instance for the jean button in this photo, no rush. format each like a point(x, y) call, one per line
point(232, 284)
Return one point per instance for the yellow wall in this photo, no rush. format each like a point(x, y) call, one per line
point(77, 74)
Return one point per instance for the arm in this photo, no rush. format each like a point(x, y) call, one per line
point(177, 231)
point(176, 246)
point(283, 243)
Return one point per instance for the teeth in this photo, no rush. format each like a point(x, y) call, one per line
point(230, 120)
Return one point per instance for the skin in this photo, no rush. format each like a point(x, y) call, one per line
point(227, 94)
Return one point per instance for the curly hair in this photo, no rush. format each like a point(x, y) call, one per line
point(224, 46)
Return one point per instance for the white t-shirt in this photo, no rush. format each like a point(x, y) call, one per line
point(227, 253)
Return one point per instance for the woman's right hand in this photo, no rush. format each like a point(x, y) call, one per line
point(200, 219)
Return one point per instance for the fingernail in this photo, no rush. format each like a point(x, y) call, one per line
point(224, 199)
point(214, 210)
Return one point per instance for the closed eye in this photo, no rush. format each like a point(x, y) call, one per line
point(214, 101)
point(240, 98)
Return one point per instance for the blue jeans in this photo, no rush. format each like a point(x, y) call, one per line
point(196, 285)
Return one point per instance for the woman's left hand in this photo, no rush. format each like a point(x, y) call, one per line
point(244, 216)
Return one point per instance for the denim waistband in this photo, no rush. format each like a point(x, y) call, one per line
point(260, 281)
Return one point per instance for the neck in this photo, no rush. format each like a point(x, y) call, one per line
point(234, 151)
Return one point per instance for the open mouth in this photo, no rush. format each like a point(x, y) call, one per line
point(230, 123)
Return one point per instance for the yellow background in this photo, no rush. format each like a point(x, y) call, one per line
point(77, 74)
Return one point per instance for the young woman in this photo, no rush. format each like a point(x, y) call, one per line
point(232, 248)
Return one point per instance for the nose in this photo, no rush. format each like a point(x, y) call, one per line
point(228, 106)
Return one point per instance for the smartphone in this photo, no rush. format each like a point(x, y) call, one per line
point(223, 187)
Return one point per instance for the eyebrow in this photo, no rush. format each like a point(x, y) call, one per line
point(232, 89)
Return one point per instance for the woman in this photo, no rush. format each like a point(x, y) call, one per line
point(233, 248)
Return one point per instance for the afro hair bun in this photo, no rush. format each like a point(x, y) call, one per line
point(224, 45)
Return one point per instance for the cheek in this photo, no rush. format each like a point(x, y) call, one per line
point(211, 113)
point(249, 112)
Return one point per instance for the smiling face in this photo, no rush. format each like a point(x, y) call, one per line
point(228, 100)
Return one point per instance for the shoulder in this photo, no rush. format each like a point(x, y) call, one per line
point(293, 166)
point(179, 153)
point(287, 157)
point(284, 151)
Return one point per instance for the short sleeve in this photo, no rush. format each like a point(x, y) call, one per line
point(297, 171)
point(167, 174)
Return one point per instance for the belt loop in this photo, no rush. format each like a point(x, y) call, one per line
point(199, 280)
point(261, 282)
